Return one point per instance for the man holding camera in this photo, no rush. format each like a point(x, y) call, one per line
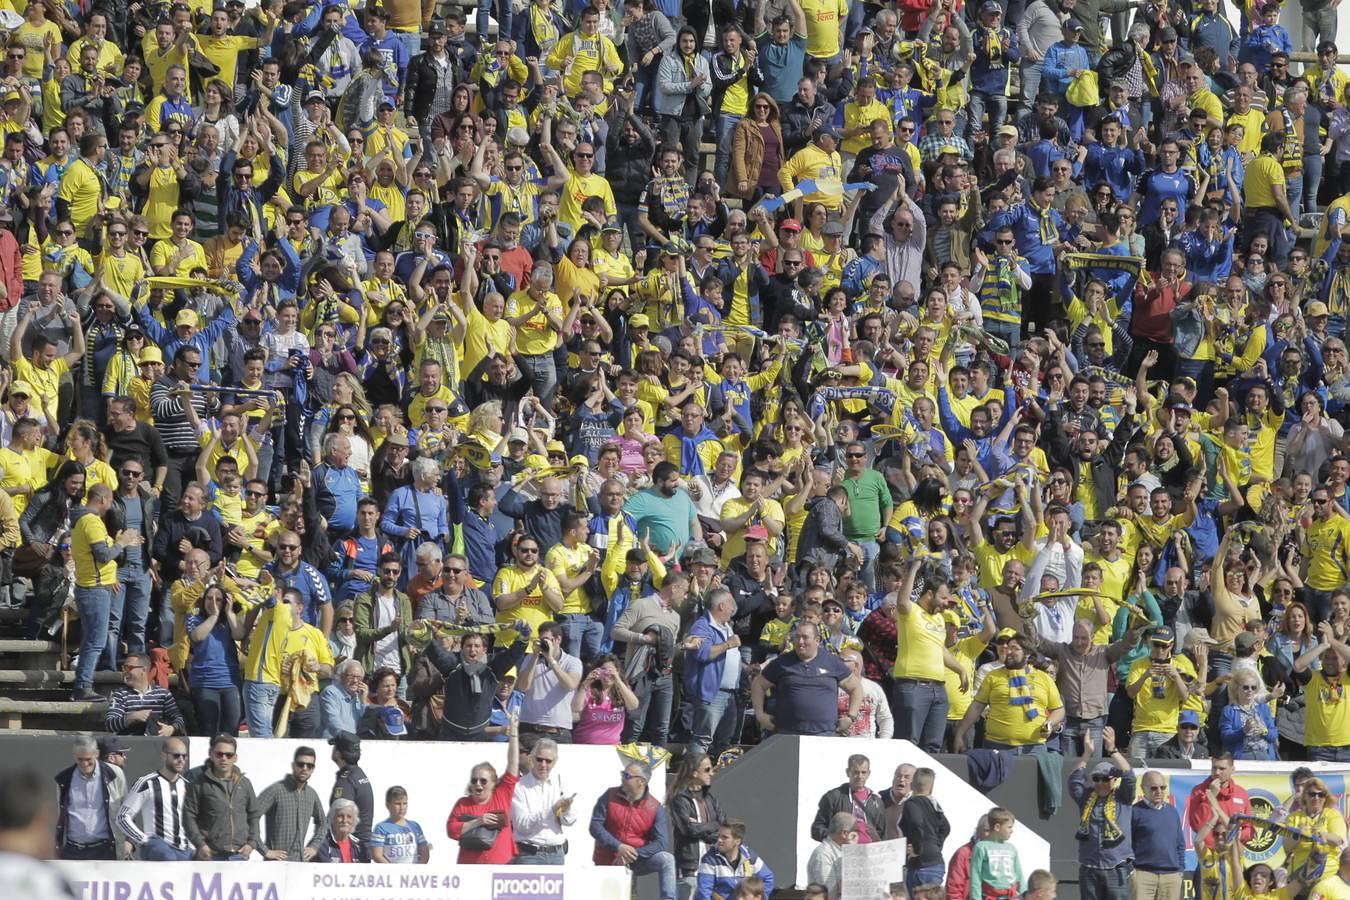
point(1159, 684)
point(548, 679)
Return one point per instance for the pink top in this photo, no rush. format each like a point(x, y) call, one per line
point(630, 450)
point(600, 723)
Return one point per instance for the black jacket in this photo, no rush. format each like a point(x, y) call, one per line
point(925, 827)
point(628, 166)
point(840, 799)
point(691, 825)
point(112, 796)
point(822, 532)
point(794, 118)
point(423, 77)
point(328, 851)
point(204, 533)
point(116, 519)
point(466, 711)
point(352, 784)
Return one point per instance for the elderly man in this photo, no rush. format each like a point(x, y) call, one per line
point(1081, 679)
point(471, 681)
point(851, 796)
point(1159, 843)
point(336, 485)
point(651, 625)
point(825, 865)
point(344, 700)
point(90, 793)
point(804, 679)
point(712, 672)
point(540, 809)
point(630, 829)
point(893, 798)
point(543, 516)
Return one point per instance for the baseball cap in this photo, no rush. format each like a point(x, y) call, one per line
point(386, 104)
point(1009, 129)
point(346, 742)
point(790, 225)
point(26, 389)
point(1316, 308)
point(392, 719)
point(185, 317)
point(1103, 768)
point(1163, 635)
point(1188, 717)
point(1167, 34)
point(518, 434)
point(612, 225)
point(1181, 405)
point(831, 601)
point(440, 315)
point(639, 321)
point(111, 744)
point(1197, 636)
point(437, 26)
point(756, 533)
point(1005, 634)
point(555, 447)
point(704, 556)
point(149, 354)
point(398, 439)
point(827, 130)
point(13, 95)
point(314, 95)
point(1072, 24)
point(1245, 641)
point(990, 6)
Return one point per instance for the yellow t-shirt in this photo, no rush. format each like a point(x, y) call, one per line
point(857, 115)
point(158, 66)
point(81, 188)
point(160, 202)
point(224, 52)
point(533, 609)
point(45, 382)
point(18, 472)
point(920, 640)
point(1328, 550)
point(259, 530)
point(1011, 719)
point(823, 18)
point(1329, 822)
point(478, 334)
point(1253, 124)
point(99, 472)
point(534, 336)
point(110, 56)
point(122, 273)
point(1333, 887)
point(164, 251)
point(575, 192)
point(34, 37)
point(990, 562)
point(735, 544)
point(1327, 718)
point(1158, 713)
point(571, 562)
point(966, 651)
point(1262, 176)
point(90, 532)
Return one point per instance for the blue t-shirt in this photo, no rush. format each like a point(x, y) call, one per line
point(806, 693)
point(667, 518)
point(400, 842)
point(781, 65)
point(215, 661)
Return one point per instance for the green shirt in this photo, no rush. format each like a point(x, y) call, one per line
point(870, 500)
point(994, 865)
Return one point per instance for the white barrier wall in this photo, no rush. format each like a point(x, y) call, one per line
point(300, 881)
point(435, 775)
point(824, 761)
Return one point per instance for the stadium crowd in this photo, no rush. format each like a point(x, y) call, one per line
point(984, 386)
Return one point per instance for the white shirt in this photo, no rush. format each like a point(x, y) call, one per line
point(823, 867)
point(532, 818)
point(87, 808)
point(547, 702)
point(386, 648)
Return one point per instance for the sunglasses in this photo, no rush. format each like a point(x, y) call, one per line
point(223, 754)
point(479, 781)
point(177, 755)
point(303, 765)
point(856, 455)
point(528, 549)
point(580, 155)
point(131, 473)
point(117, 234)
point(139, 233)
point(449, 571)
point(290, 546)
point(348, 417)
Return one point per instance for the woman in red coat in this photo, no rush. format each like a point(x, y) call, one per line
point(481, 820)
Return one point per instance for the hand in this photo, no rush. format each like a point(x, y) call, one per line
point(277, 855)
point(627, 855)
point(1109, 740)
point(765, 721)
point(165, 729)
point(204, 852)
point(494, 819)
point(309, 853)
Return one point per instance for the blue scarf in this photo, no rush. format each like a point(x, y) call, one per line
point(690, 462)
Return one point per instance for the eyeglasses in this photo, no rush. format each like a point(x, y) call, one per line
point(303, 765)
point(290, 546)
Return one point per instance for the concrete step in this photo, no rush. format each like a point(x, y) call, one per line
point(50, 713)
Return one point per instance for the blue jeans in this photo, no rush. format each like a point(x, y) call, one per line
point(1329, 754)
point(1143, 744)
point(652, 718)
point(504, 11)
point(663, 864)
point(1220, 663)
point(156, 849)
point(94, 604)
point(543, 374)
point(726, 128)
point(582, 636)
point(259, 700)
point(997, 106)
point(411, 41)
point(1293, 186)
point(925, 875)
point(1009, 332)
point(218, 710)
point(704, 718)
point(1071, 738)
point(131, 610)
point(920, 711)
point(870, 549)
point(1014, 749)
point(550, 857)
point(1031, 81)
point(1312, 181)
point(1318, 603)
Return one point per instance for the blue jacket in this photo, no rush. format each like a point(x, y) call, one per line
point(1234, 736)
point(1217, 33)
point(1118, 167)
point(341, 710)
point(1059, 59)
point(1261, 42)
point(717, 877)
point(201, 340)
point(702, 673)
point(1025, 221)
point(1159, 846)
point(311, 585)
point(336, 492)
point(1210, 260)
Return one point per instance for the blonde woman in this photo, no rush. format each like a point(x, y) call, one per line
point(486, 426)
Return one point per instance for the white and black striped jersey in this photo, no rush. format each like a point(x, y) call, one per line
point(154, 808)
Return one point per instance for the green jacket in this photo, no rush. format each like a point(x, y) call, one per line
point(363, 608)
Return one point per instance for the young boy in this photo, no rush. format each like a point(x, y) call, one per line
point(995, 868)
point(774, 637)
point(398, 839)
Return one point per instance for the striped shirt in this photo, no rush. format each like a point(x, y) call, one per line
point(172, 423)
point(125, 701)
point(154, 808)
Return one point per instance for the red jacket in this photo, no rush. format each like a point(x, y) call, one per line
point(1152, 317)
point(465, 810)
point(11, 269)
point(1232, 800)
point(625, 822)
point(958, 872)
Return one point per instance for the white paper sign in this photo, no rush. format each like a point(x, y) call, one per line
point(869, 870)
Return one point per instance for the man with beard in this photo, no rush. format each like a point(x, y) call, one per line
point(1024, 704)
point(287, 807)
point(471, 681)
point(151, 816)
